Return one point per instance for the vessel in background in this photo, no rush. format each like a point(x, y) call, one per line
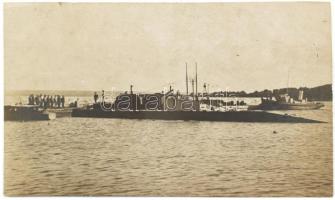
point(285, 102)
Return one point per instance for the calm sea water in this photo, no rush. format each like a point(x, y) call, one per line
point(76, 156)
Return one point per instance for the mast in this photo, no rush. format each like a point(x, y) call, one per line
point(196, 80)
point(193, 88)
point(288, 79)
point(186, 81)
point(204, 91)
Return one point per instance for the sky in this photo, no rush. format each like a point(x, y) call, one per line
point(95, 46)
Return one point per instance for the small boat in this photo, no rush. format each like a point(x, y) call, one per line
point(26, 113)
point(285, 102)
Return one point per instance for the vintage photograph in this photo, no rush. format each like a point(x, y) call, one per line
point(168, 99)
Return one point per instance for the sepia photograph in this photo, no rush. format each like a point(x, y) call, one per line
point(221, 99)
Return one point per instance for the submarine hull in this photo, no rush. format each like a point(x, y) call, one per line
point(242, 116)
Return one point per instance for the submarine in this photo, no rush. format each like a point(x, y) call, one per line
point(176, 107)
point(172, 105)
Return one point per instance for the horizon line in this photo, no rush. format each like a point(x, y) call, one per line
point(87, 90)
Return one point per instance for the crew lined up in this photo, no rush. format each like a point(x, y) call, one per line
point(47, 101)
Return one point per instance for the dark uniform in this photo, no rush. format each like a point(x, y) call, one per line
point(96, 96)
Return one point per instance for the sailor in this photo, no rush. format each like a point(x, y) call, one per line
point(44, 101)
point(32, 99)
point(29, 100)
point(40, 100)
point(37, 100)
point(58, 101)
point(51, 102)
point(48, 101)
point(96, 96)
point(55, 101)
point(62, 99)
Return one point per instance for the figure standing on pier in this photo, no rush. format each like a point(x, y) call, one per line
point(29, 100)
point(40, 100)
point(51, 104)
point(62, 99)
point(55, 101)
point(44, 101)
point(37, 100)
point(58, 101)
point(47, 102)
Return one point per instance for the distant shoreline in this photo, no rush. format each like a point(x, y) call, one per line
point(319, 93)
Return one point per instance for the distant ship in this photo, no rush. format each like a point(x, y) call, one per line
point(26, 113)
point(285, 102)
